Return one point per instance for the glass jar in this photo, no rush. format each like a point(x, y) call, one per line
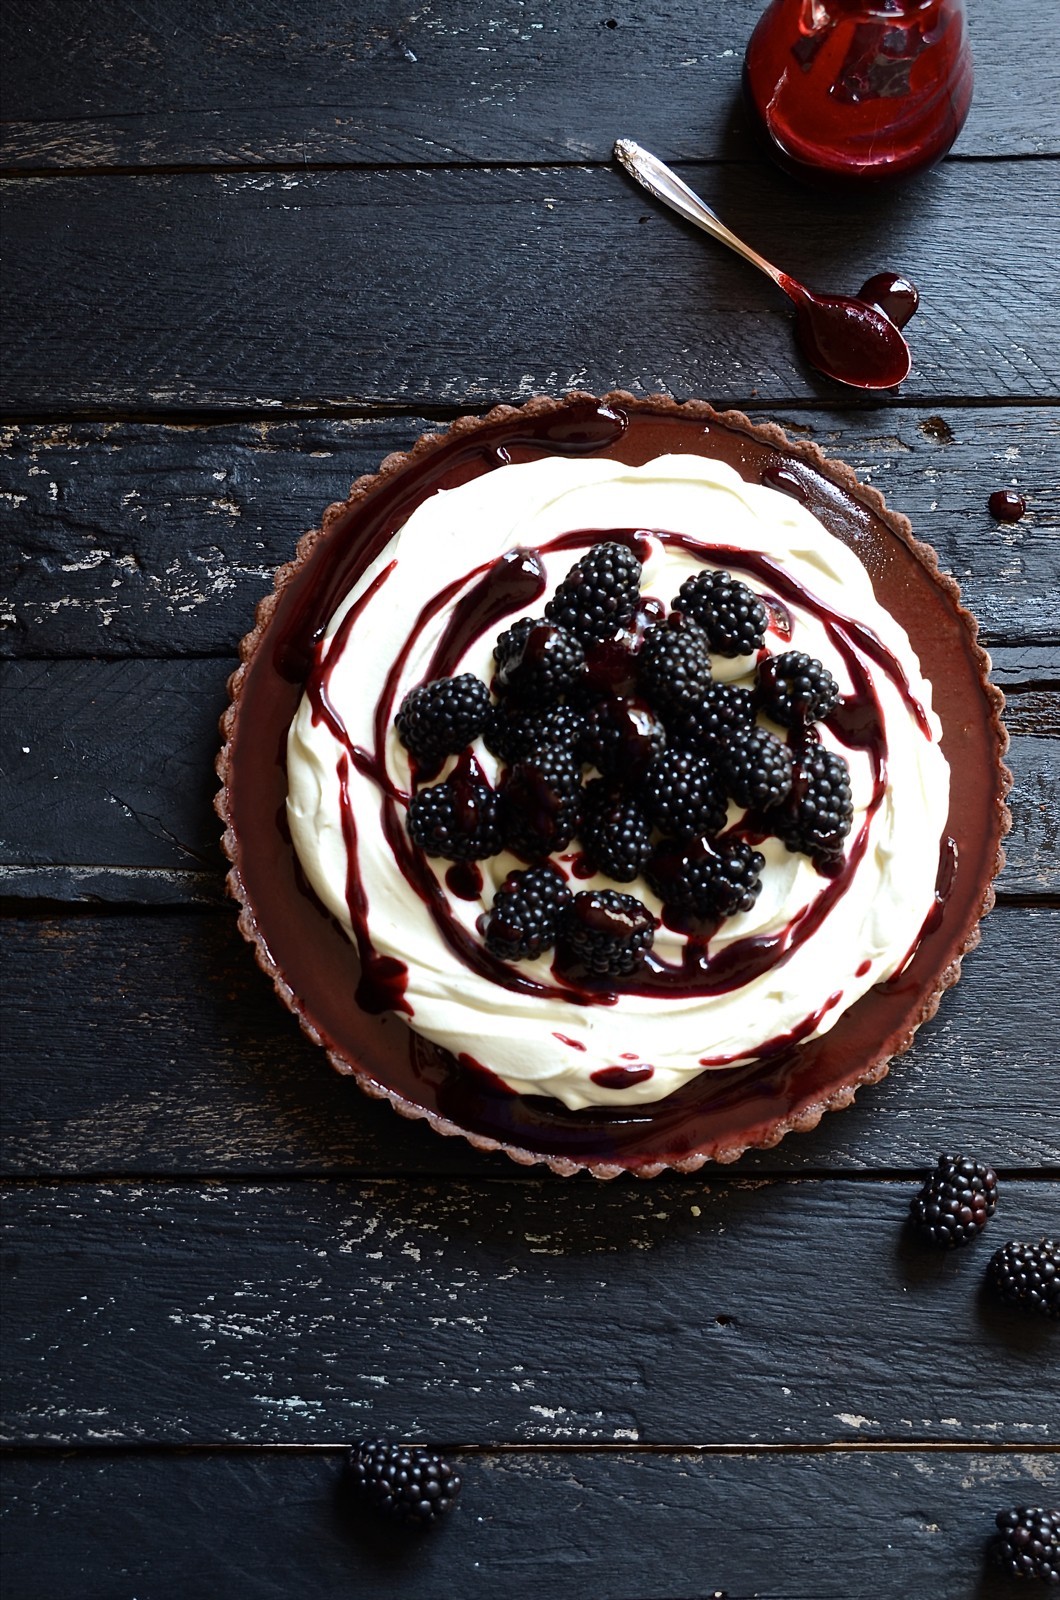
point(856, 92)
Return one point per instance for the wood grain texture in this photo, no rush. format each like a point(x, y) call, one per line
point(743, 1314)
point(226, 85)
point(460, 287)
point(152, 1044)
point(110, 764)
point(129, 538)
point(165, 1526)
point(211, 1238)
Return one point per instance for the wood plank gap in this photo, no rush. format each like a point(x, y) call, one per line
point(156, 893)
point(256, 168)
point(1011, 642)
point(138, 1447)
point(714, 1179)
point(382, 411)
point(204, 892)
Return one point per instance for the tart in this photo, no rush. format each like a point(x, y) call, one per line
point(737, 1029)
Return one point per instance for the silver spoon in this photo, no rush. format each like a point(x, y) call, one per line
point(848, 339)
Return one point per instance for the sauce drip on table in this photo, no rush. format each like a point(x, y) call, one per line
point(1006, 505)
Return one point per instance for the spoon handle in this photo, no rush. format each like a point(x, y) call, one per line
point(666, 186)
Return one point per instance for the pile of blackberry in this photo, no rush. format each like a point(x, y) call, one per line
point(669, 749)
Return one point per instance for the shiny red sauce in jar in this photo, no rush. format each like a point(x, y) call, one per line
point(850, 93)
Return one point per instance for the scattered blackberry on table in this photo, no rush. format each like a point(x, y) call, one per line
point(458, 819)
point(730, 614)
point(682, 795)
point(538, 662)
point(673, 667)
point(1027, 1543)
point(413, 1487)
point(705, 878)
point(442, 717)
point(757, 768)
point(956, 1202)
point(794, 689)
point(816, 815)
point(512, 731)
point(622, 737)
point(615, 833)
point(607, 933)
point(524, 917)
point(599, 595)
point(723, 711)
point(541, 802)
point(1028, 1276)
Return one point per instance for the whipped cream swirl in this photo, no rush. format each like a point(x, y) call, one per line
point(770, 977)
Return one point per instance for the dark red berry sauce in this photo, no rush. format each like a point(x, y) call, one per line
point(1006, 505)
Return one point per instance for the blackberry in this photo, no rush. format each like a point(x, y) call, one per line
point(599, 595)
point(816, 815)
point(682, 795)
point(511, 731)
point(541, 802)
point(704, 878)
point(723, 711)
point(442, 717)
point(794, 689)
point(673, 667)
point(730, 614)
point(537, 662)
point(1028, 1275)
point(615, 833)
point(956, 1202)
point(607, 933)
point(410, 1486)
point(1027, 1543)
point(622, 736)
point(757, 768)
point(524, 916)
point(458, 819)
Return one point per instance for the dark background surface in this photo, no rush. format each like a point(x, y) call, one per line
point(248, 251)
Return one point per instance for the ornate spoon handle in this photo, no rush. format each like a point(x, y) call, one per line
point(666, 186)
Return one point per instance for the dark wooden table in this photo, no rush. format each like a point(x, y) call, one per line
point(250, 250)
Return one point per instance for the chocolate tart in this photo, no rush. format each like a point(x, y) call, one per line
point(314, 966)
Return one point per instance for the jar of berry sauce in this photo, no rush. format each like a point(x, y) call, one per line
point(858, 92)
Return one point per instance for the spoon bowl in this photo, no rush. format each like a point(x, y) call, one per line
point(848, 338)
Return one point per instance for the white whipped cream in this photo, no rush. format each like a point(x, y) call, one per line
point(543, 1043)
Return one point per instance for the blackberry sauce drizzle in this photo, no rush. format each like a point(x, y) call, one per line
point(383, 979)
point(510, 584)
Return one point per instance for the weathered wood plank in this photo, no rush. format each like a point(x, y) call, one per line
point(488, 1312)
point(147, 539)
point(65, 780)
point(1025, 668)
point(464, 82)
point(136, 887)
point(152, 1044)
point(459, 287)
point(110, 764)
point(168, 1525)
